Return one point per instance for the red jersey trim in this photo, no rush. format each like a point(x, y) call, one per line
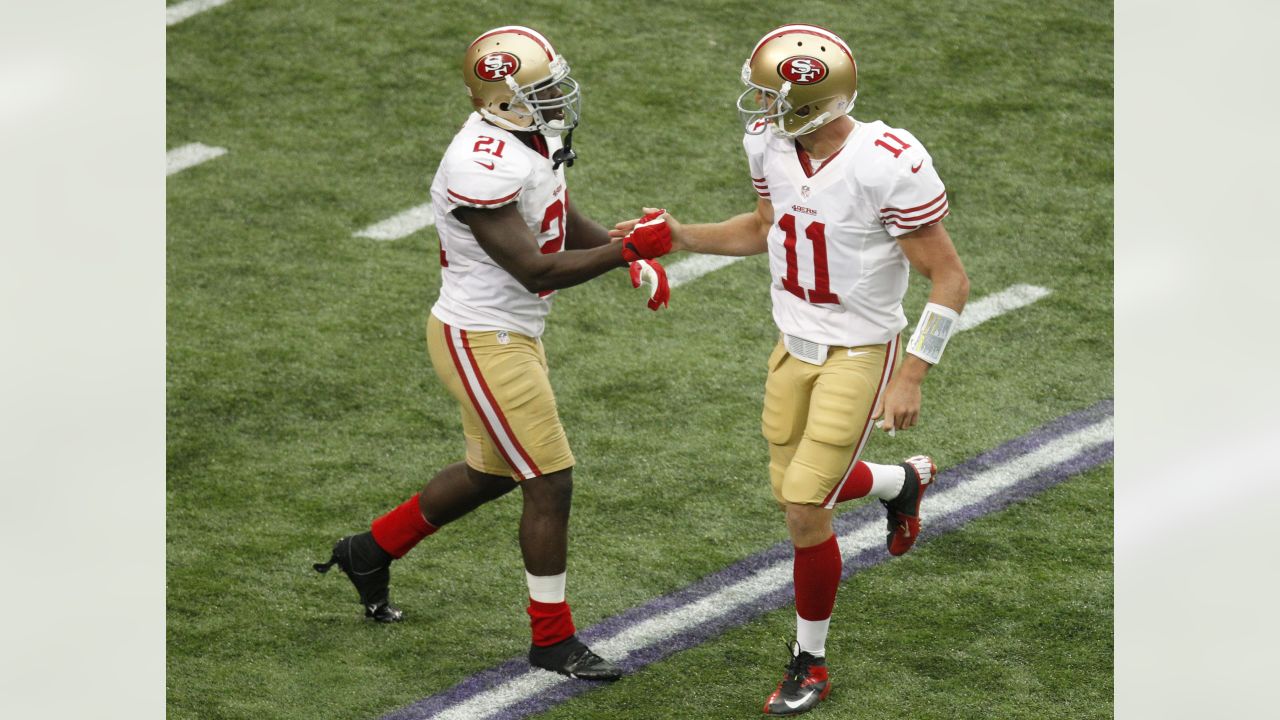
point(945, 212)
point(913, 209)
point(498, 201)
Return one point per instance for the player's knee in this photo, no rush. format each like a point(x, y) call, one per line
point(551, 493)
point(808, 524)
point(489, 486)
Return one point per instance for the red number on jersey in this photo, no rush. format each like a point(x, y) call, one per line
point(554, 214)
point(483, 144)
point(897, 151)
point(816, 232)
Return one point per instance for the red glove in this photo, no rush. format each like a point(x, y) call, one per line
point(649, 272)
point(650, 238)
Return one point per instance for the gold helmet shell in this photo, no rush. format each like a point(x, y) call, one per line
point(798, 78)
point(519, 82)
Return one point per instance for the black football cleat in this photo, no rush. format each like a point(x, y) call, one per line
point(903, 512)
point(368, 567)
point(804, 685)
point(573, 658)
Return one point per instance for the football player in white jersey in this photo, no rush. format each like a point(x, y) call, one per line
point(509, 238)
point(844, 208)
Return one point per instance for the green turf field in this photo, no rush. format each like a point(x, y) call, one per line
point(301, 403)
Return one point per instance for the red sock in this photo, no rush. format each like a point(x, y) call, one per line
point(399, 530)
point(551, 622)
point(858, 485)
point(816, 573)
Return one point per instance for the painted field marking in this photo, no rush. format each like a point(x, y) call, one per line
point(761, 583)
point(181, 158)
point(992, 306)
point(697, 265)
point(403, 225)
point(975, 313)
point(175, 14)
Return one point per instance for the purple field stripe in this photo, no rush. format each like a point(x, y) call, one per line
point(844, 522)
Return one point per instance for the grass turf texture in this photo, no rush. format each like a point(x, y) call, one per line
point(301, 403)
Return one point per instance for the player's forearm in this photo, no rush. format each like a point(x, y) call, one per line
point(584, 233)
point(571, 267)
point(741, 235)
point(950, 287)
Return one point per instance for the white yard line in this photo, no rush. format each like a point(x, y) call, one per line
point(175, 14)
point(181, 158)
point(403, 225)
point(695, 266)
point(991, 306)
point(778, 575)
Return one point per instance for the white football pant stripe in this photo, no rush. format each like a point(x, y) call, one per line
point(491, 414)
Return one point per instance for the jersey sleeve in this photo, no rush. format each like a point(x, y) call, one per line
point(481, 179)
point(915, 196)
point(754, 146)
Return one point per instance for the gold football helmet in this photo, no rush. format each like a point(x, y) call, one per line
point(518, 82)
point(798, 78)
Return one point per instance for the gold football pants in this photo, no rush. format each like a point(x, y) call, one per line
point(817, 418)
point(509, 413)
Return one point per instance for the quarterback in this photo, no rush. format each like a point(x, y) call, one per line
point(509, 239)
point(843, 208)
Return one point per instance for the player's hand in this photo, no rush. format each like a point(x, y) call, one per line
point(899, 406)
point(651, 274)
point(647, 237)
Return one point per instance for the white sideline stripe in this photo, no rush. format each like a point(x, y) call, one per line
point(778, 575)
point(181, 158)
point(695, 266)
point(175, 14)
point(403, 225)
point(991, 306)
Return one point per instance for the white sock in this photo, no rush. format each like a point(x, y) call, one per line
point(546, 588)
point(886, 480)
point(812, 635)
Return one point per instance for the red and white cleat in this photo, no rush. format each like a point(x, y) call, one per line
point(903, 512)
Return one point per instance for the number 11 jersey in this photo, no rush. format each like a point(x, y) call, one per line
point(838, 274)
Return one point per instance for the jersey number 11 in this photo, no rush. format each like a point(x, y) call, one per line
point(816, 233)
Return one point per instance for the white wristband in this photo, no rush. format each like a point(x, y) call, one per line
point(937, 322)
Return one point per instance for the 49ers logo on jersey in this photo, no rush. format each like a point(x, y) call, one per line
point(496, 66)
point(802, 69)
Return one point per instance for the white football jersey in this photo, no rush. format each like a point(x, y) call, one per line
point(488, 167)
point(838, 273)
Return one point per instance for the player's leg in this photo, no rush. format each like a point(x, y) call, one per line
point(901, 487)
point(816, 566)
point(544, 523)
point(365, 558)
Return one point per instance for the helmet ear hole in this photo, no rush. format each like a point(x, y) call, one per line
point(803, 112)
point(504, 107)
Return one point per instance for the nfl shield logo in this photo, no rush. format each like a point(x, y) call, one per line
point(804, 191)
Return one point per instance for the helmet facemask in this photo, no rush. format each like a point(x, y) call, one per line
point(553, 104)
point(758, 103)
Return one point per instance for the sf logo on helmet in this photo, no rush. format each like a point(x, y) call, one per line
point(802, 70)
point(496, 66)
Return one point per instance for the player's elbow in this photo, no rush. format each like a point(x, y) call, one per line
point(962, 283)
point(534, 283)
point(535, 280)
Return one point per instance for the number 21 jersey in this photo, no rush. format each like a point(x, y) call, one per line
point(487, 167)
point(838, 274)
